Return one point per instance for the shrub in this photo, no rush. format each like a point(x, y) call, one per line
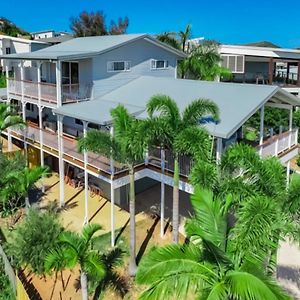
point(33, 238)
point(6, 291)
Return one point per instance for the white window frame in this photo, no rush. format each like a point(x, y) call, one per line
point(127, 66)
point(166, 64)
point(236, 57)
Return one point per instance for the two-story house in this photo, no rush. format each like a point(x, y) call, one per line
point(71, 87)
point(263, 65)
point(12, 45)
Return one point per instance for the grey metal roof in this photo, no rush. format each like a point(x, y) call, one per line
point(95, 111)
point(237, 102)
point(86, 47)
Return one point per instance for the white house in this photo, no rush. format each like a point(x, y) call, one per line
point(71, 87)
point(44, 34)
point(263, 65)
point(13, 45)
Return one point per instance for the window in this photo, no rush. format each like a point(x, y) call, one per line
point(70, 72)
point(30, 107)
point(118, 66)
point(235, 63)
point(78, 122)
point(8, 50)
point(159, 64)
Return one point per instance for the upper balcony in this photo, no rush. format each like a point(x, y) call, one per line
point(30, 91)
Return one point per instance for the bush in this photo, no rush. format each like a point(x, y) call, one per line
point(2, 81)
point(298, 161)
point(251, 136)
point(32, 239)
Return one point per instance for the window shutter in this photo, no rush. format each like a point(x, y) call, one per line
point(110, 66)
point(153, 63)
point(127, 65)
point(240, 62)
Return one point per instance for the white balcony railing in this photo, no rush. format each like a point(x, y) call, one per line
point(279, 143)
point(30, 91)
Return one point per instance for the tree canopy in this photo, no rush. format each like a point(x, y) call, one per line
point(7, 27)
point(94, 24)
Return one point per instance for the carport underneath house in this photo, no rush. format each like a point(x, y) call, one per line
point(237, 103)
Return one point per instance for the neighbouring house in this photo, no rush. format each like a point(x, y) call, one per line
point(72, 86)
point(13, 45)
point(263, 63)
point(44, 34)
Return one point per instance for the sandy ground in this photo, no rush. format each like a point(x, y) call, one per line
point(288, 268)
point(147, 231)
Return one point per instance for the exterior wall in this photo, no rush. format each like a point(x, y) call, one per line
point(85, 71)
point(139, 54)
point(43, 35)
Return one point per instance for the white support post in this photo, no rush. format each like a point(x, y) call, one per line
point(288, 169)
point(162, 193)
point(147, 157)
point(9, 139)
point(290, 127)
point(25, 130)
point(42, 163)
point(276, 146)
point(219, 149)
point(60, 161)
point(261, 129)
point(86, 179)
point(112, 196)
point(58, 84)
point(22, 80)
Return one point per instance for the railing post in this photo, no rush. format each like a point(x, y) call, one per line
point(9, 139)
point(86, 178)
point(58, 84)
point(60, 160)
point(112, 195)
point(290, 127)
point(276, 146)
point(261, 129)
point(162, 193)
point(219, 150)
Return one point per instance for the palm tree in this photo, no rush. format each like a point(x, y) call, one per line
point(202, 61)
point(208, 267)
point(76, 249)
point(19, 182)
point(8, 118)
point(180, 133)
point(112, 279)
point(127, 146)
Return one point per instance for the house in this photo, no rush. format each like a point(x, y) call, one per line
point(254, 63)
point(44, 34)
point(71, 87)
point(13, 45)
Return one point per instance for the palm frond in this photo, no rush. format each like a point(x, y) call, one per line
point(209, 223)
point(185, 143)
point(204, 174)
point(165, 107)
point(198, 109)
point(96, 141)
point(174, 264)
point(89, 230)
point(93, 265)
point(243, 285)
point(55, 260)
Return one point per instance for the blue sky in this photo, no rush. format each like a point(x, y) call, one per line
point(228, 21)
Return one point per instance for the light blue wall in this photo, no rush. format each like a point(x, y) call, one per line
point(139, 54)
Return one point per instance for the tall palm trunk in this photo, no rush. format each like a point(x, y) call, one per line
point(175, 218)
point(83, 283)
point(132, 261)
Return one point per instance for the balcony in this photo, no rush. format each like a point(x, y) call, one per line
point(279, 144)
point(96, 163)
point(48, 92)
